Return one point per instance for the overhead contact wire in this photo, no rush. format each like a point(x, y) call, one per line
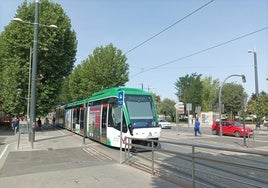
point(162, 31)
point(202, 51)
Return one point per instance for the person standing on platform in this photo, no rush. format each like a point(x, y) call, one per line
point(197, 127)
point(16, 123)
point(53, 120)
point(39, 123)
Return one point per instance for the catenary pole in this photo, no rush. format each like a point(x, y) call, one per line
point(34, 75)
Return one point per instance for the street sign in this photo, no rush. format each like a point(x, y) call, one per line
point(120, 98)
point(197, 109)
point(23, 127)
point(189, 106)
point(179, 107)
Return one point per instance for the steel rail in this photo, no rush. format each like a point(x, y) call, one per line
point(195, 160)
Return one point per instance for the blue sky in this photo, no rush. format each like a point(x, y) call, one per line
point(126, 24)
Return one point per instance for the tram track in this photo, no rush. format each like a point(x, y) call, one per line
point(96, 154)
point(167, 165)
point(143, 166)
point(177, 169)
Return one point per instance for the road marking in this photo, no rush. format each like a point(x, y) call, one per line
point(264, 141)
point(96, 154)
point(4, 151)
point(63, 133)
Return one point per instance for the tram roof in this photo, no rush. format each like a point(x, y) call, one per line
point(111, 92)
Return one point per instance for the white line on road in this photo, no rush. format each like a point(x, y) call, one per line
point(4, 151)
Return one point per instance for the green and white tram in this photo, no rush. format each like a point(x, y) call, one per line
point(102, 116)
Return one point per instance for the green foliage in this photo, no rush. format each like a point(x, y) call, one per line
point(105, 68)
point(190, 89)
point(56, 56)
point(232, 97)
point(157, 100)
point(167, 108)
point(258, 106)
point(209, 94)
point(205, 93)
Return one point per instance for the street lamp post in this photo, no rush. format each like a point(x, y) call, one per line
point(256, 82)
point(34, 68)
point(19, 91)
point(34, 72)
point(256, 72)
point(29, 85)
point(40, 77)
point(243, 79)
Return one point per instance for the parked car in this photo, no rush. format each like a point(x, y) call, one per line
point(164, 124)
point(231, 128)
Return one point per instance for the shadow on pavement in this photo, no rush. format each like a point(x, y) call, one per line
point(50, 138)
point(6, 129)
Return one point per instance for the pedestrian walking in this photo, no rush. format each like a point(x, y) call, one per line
point(197, 127)
point(15, 124)
point(53, 120)
point(39, 123)
point(47, 122)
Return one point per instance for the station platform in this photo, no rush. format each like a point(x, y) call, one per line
point(59, 158)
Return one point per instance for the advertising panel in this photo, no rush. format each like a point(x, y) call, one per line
point(94, 120)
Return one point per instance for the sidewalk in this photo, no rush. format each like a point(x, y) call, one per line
point(59, 159)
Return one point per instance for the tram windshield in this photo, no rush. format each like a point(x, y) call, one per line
point(141, 111)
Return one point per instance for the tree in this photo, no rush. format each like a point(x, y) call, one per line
point(232, 97)
point(209, 94)
point(105, 68)
point(56, 57)
point(190, 89)
point(167, 108)
point(157, 101)
point(258, 107)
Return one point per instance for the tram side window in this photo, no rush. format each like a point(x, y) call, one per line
point(110, 119)
point(124, 126)
point(104, 116)
point(74, 117)
point(82, 119)
point(76, 114)
point(114, 119)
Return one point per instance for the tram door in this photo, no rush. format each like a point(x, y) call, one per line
point(104, 121)
point(68, 119)
point(75, 120)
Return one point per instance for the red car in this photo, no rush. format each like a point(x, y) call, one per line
point(231, 128)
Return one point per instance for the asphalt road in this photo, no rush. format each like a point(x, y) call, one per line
point(207, 172)
point(258, 141)
point(168, 163)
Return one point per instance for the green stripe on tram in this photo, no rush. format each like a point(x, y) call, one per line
point(111, 92)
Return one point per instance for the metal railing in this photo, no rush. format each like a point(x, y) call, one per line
point(199, 159)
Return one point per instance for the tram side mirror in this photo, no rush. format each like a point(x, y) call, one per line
point(130, 128)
